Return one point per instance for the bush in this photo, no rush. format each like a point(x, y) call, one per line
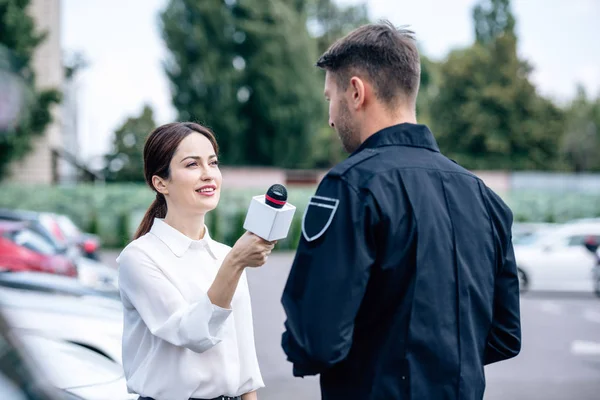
point(113, 211)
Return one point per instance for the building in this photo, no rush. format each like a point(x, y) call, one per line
point(53, 158)
point(37, 166)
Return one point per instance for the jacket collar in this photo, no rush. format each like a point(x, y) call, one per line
point(406, 134)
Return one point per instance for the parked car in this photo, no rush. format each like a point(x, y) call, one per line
point(20, 378)
point(556, 258)
point(88, 243)
point(61, 236)
point(523, 230)
point(97, 275)
point(22, 249)
point(77, 370)
point(593, 246)
point(93, 322)
point(41, 223)
point(55, 284)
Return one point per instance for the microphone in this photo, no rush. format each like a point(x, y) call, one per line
point(270, 215)
point(276, 196)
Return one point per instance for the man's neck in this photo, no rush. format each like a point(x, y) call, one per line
point(382, 121)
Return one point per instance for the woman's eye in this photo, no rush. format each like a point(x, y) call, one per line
point(192, 164)
point(214, 162)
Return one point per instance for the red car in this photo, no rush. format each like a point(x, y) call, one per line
point(22, 249)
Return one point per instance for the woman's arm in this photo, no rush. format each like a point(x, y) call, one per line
point(249, 251)
point(249, 396)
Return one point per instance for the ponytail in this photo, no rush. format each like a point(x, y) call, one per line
point(158, 209)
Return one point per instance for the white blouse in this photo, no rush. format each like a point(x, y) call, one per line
point(176, 343)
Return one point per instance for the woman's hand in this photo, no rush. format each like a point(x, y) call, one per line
point(251, 250)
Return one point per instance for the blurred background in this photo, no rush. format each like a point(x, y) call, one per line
point(510, 89)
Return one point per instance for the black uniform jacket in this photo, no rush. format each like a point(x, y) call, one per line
point(404, 284)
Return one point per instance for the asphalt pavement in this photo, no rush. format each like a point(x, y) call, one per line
point(560, 358)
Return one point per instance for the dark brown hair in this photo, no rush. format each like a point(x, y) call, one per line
point(387, 56)
point(161, 145)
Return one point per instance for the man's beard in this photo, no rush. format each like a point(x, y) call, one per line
point(345, 129)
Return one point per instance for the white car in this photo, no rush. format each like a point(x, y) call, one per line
point(90, 321)
point(555, 259)
point(97, 275)
point(76, 370)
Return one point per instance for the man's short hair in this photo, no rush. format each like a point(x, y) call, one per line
point(387, 56)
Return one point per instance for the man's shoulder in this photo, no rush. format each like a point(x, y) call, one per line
point(356, 159)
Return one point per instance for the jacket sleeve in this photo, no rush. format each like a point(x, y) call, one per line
point(329, 276)
point(196, 326)
point(504, 338)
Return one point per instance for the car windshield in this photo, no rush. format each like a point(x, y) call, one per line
point(31, 240)
point(68, 227)
point(535, 238)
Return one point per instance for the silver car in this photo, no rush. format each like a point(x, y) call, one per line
point(89, 321)
point(76, 370)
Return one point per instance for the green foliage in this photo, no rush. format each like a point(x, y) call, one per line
point(123, 229)
point(245, 69)
point(18, 41)
point(581, 142)
point(487, 114)
point(492, 19)
point(92, 226)
point(327, 23)
point(126, 162)
point(553, 206)
point(114, 211)
point(330, 21)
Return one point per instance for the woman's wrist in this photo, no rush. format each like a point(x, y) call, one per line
point(233, 262)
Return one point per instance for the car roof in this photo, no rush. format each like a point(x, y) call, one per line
point(583, 228)
point(11, 226)
point(19, 214)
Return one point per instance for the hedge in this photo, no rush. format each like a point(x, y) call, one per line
point(113, 211)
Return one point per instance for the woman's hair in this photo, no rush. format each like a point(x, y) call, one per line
point(161, 145)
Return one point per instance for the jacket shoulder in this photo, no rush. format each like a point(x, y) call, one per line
point(354, 160)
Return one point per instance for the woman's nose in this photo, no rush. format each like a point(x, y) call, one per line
point(207, 174)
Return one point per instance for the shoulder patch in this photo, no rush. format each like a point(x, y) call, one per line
point(318, 216)
point(350, 162)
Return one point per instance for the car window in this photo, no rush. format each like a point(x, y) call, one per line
point(31, 240)
point(579, 240)
point(576, 240)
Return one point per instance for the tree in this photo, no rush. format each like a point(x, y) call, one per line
point(19, 39)
point(492, 19)
point(327, 23)
point(284, 107)
point(581, 143)
point(487, 114)
point(126, 162)
point(244, 68)
point(428, 89)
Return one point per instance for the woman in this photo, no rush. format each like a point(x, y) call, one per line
point(187, 319)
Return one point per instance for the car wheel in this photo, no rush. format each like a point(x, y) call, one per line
point(523, 280)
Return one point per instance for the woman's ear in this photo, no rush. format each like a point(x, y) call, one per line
point(160, 184)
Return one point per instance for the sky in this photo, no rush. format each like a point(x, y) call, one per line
point(122, 43)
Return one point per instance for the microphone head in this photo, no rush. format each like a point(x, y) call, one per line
point(276, 196)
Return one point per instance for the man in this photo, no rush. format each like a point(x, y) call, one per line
point(404, 284)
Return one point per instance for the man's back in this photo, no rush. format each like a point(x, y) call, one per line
point(441, 251)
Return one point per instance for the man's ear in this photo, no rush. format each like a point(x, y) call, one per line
point(160, 184)
point(357, 92)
